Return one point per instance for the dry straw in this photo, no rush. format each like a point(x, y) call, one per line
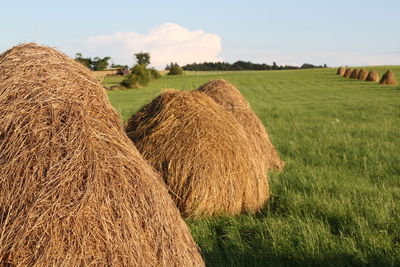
point(363, 74)
point(388, 78)
point(354, 74)
point(230, 98)
point(73, 189)
point(341, 71)
point(202, 152)
point(348, 73)
point(373, 76)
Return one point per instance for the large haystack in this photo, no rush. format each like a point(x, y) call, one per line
point(348, 73)
point(341, 71)
point(202, 152)
point(388, 78)
point(373, 76)
point(354, 74)
point(363, 74)
point(229, 97)
point(74, 191)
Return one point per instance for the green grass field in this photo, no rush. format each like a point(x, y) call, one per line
point(337, 203)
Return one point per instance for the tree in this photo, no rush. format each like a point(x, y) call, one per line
point(174, 69)
point(85, 61)
point(93, 64)
point(143, 58)
point(100, 63)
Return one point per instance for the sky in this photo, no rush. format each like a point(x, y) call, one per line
point(332, 32)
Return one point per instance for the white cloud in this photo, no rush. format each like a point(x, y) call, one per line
point(166, 43)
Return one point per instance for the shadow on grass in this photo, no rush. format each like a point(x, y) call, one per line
point(268, 258)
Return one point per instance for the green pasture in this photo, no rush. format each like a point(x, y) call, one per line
point(337, 203)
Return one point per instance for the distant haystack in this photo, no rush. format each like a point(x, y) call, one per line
point(373, 76)
point(74, 191)
point(354, 74)
point(341, 71)
point(202, 152)
point(230, 98)
point(348, 72)
point(363, 74)
point(389, 78)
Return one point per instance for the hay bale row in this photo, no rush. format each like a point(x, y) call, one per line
point(210, 147)
point(372, 76)
point(74, 191)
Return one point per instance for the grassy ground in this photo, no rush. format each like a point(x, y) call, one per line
point(337, 203)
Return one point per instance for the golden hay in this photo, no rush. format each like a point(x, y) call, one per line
point(73, 189)
point(202, 152)
point(388, 78)
point(373, 76)
point(341, 71)
point(354, 74)
point(363, 74)
point(230, 98)
point(348, 73)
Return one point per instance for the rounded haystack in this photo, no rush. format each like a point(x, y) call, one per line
point(373, 76)
point(363, 74)
point(202, 152)
point(341, 71)
point(388, 78)
point(348, 73)
point(230, 98)
point(74, 191)
point(354, 74)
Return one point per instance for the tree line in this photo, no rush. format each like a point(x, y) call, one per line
point(243, 65)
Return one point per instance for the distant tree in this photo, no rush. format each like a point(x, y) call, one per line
point(142, 58)
point(155, 73)
point(100, 63)
point(93, 64)
point(169, 66)
point(325, 66)
point(175, 69)
point(274, 66)
point(85, 61)
point(119, 66)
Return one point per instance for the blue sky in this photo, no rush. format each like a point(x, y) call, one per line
point(335, 32)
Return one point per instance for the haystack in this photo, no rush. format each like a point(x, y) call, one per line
point(202, 152)
point(354, 74)
point(373, 76)
point(388, 78)
point(363, 74)
point(348, 73)
point(341, 71)
point(230, 98)
point(74, 191)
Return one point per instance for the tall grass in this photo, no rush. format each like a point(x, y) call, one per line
point(337, 203)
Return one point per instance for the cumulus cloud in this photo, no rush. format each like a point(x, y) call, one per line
point(166, 43)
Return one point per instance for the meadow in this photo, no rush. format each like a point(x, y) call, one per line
point(337, 203)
